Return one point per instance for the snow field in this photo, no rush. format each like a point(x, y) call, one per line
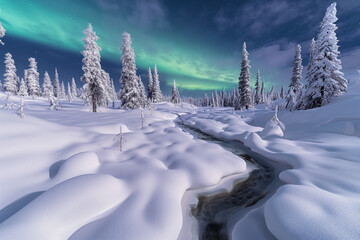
point(62, 178)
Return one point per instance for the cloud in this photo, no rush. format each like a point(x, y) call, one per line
point(260, 17)
point(351, 64)
point(274, 62)
point(142, 13)
point(148, 13)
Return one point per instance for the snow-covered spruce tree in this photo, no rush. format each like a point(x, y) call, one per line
point(142, 92)
point(2, 33)
point(327, 80)
point(311, 64)
point(262, 92)
point(10, 78)
point(57, 88)
point(291, 99)
point(150, 85)
point(271, 93)
point(244, 80)
point(175, 94)
point(32, 78)
point(69, 94)
point(107, 85)
point(156, 94)
point(62, 91)
point(282, 92)
point(257, 94)
point(232, 98)
point(73, 88)
point(129, 93)
point(93, 88)
point(23, 91)
point(114, 96)
point(48, 90)
point(206, 102)
point(295, 84)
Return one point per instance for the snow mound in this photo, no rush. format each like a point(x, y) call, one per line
point(323, 207)
point(78, 164)
point(273, 128)
point(61, 210)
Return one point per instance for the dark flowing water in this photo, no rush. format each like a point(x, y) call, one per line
point(214, 212)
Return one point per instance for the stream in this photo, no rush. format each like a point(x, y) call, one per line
point(217, 214)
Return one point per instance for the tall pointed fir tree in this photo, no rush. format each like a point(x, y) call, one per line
point(156, 94)
point(73, 88)
point(311, 63)
point(114, 96)
point(129, 93)
point(69, 94)
point(11, 84)
point(326, 80)
point(257, 95)
point(142, 92)
point(62, 91)
point(150, 85)
point(271, 93)
point(32, 78)
point(244, 80)
point(48, 90)
point(175, 94)
point(262, 92)
point(23, 91)
point(94, 89)
point(2, 33)
point(295, 87)
point(107, 85)
point(282, 92)
point(57, 87)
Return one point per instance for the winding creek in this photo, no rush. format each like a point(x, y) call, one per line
point(217, 214)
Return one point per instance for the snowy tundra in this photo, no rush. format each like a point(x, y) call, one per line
point(62, 175)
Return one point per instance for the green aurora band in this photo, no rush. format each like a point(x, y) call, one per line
point(60, 24)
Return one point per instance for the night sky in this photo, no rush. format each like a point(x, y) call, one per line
point(198, 43)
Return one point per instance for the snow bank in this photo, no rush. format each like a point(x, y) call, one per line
point(320, 198)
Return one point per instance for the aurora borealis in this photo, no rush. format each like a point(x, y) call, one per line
point(197, 43)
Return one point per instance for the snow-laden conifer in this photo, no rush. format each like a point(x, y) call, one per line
point(129, 93)
point(271, 94)
point(262, 92)
point(69, 94)
point(94, 89)
point(73, 88)
point(32, 78)
point(244, 80)
point(142, 92)
point(107, 85)
point(282, 92)
point(62, 91)
point(175, 94)
point(257, 94)
point(150, 85)
point(295, 84)
point(57, 87)
point(291, 99)
point(48, 90)
point(11, 84)
point(326, 79)
point(2, 33)
point(156, 94)
point(23, 91)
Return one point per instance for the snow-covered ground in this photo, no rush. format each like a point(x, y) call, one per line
point(62, 178)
